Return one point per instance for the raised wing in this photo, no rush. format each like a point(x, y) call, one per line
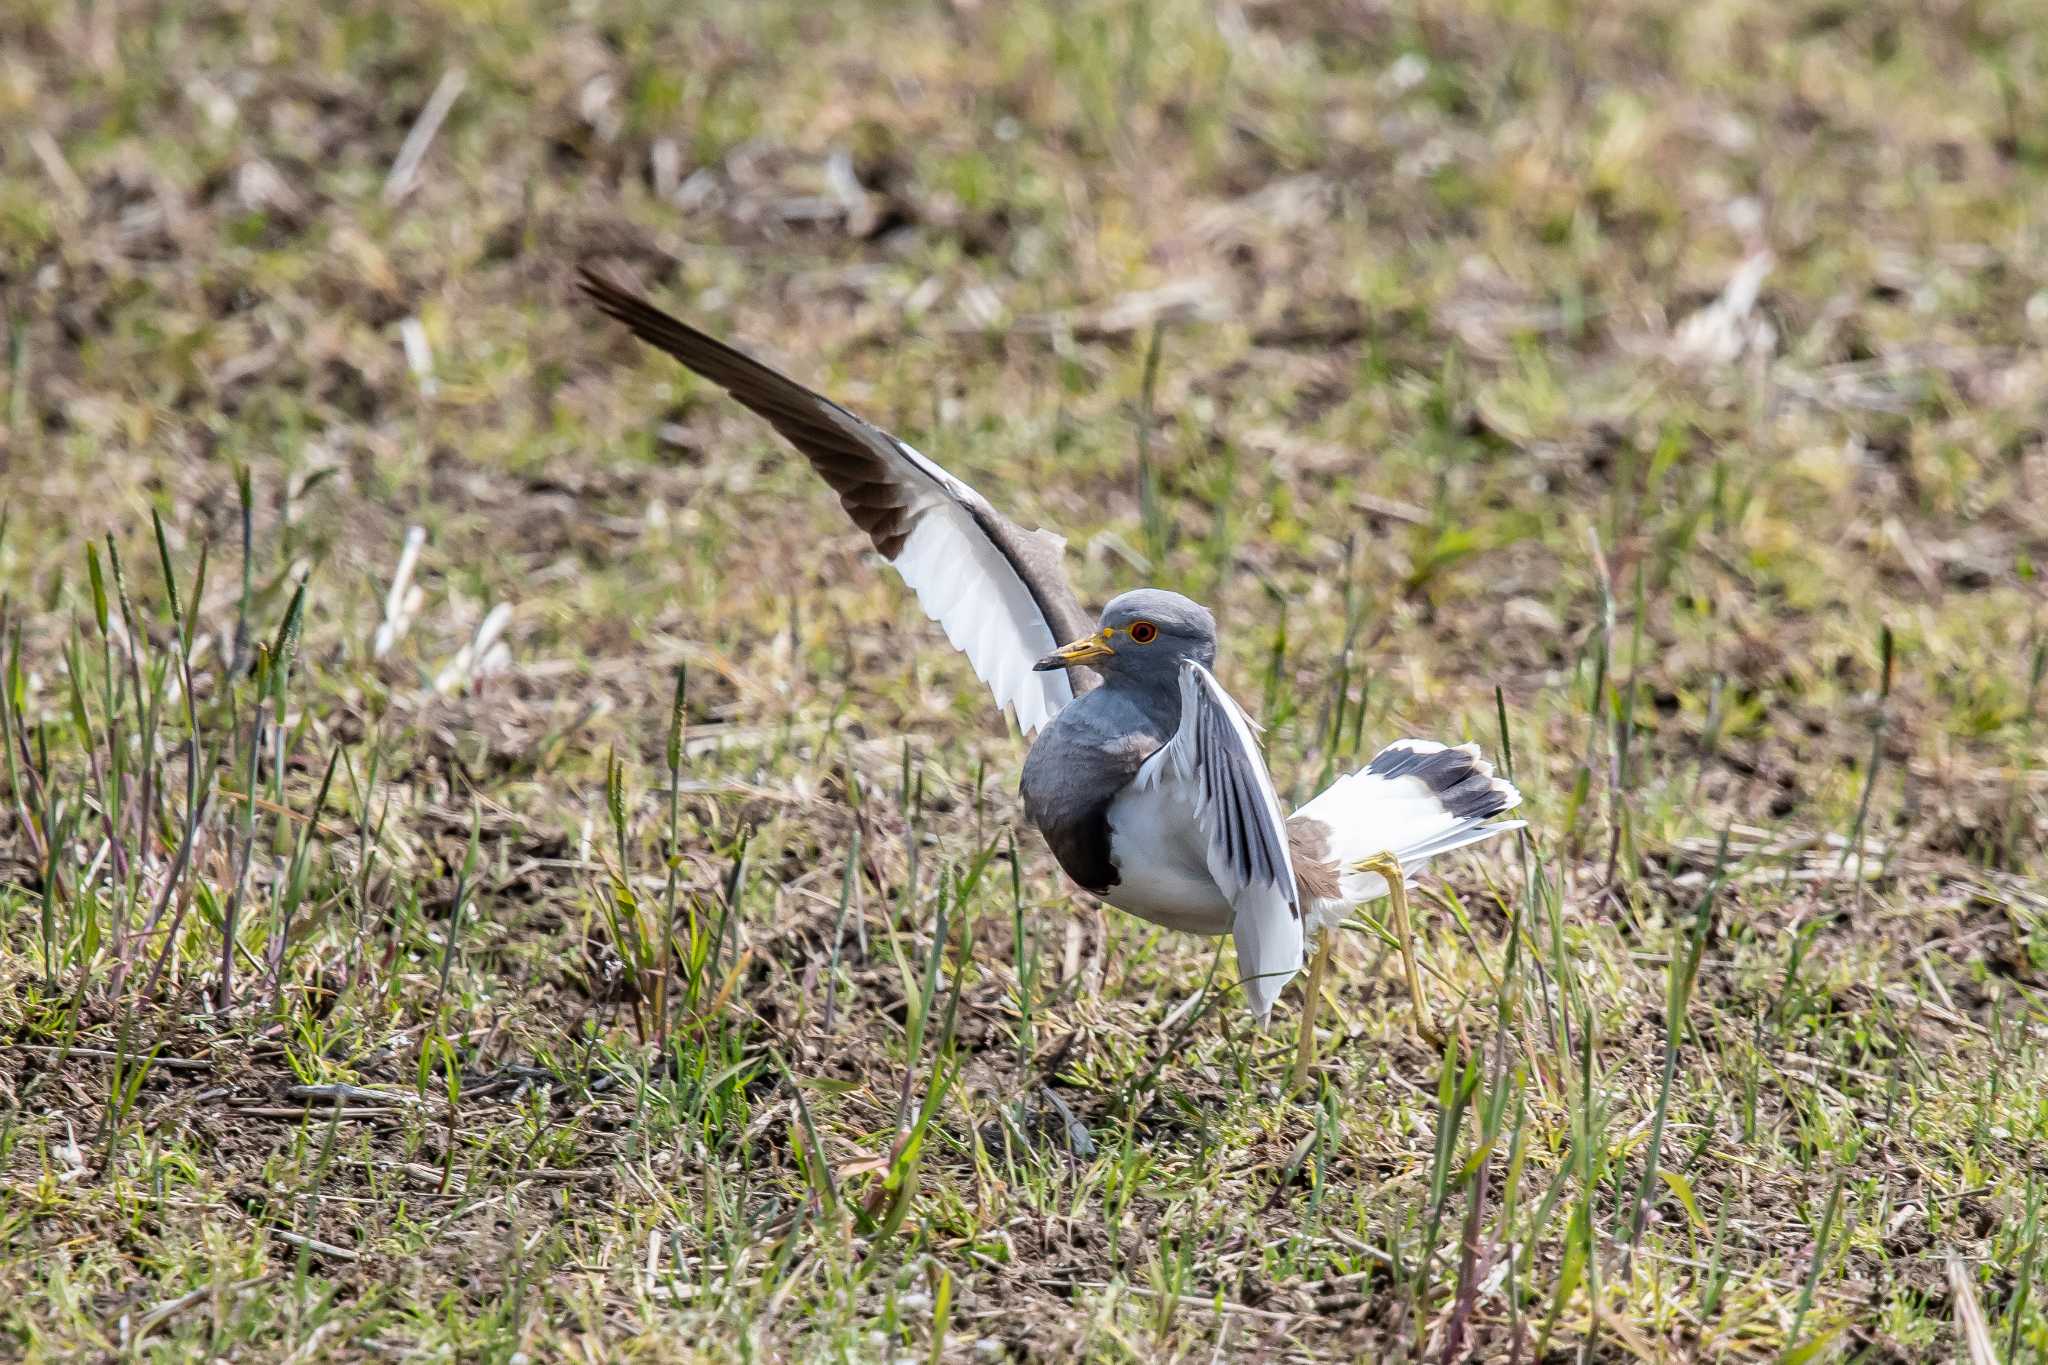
point(1216, 759)
point(998, 591)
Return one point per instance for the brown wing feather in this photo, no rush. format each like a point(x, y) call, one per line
point(876, 476)
point(1315, 871)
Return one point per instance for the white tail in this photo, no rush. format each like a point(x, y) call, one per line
point(1415, 800)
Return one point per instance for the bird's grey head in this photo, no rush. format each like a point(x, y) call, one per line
point(1141, 637)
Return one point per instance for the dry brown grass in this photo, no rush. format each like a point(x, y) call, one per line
point(1453, 393)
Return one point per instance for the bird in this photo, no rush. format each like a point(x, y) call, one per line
point(1145, 777)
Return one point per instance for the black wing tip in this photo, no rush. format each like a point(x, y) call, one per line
point(622, 304)
point(604, 291)
point(1462, 780)
point(724, 364)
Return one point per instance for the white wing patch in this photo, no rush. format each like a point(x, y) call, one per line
point(1214, 757)
point(965, 583)
point(1369, 812)
point(1000, 592)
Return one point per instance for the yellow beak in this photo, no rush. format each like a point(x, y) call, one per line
point(1087, 649)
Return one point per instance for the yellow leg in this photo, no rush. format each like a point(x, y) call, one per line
point(1397, 898)
point(1311, 1008)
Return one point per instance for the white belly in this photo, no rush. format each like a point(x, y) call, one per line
point(1162, 874)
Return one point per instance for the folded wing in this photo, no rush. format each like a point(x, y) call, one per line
point(1215, 757)
point(998, 591)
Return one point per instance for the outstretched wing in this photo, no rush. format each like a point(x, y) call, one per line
point(1215, 758)
point(998, 591)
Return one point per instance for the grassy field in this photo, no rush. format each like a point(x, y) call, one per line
point(617, 940)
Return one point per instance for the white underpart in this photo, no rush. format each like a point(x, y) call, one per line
point(969, 587)
point(1171, 869)
point(1369, 814)
point(1162, 858)
point(1262, 917)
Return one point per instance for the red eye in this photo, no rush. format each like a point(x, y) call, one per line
point(1144, 632)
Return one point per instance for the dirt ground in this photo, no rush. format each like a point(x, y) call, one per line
point(396, 961)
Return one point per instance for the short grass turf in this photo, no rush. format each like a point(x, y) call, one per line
point(1653, 392)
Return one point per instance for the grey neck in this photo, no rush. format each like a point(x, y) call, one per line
point(1157, 695)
